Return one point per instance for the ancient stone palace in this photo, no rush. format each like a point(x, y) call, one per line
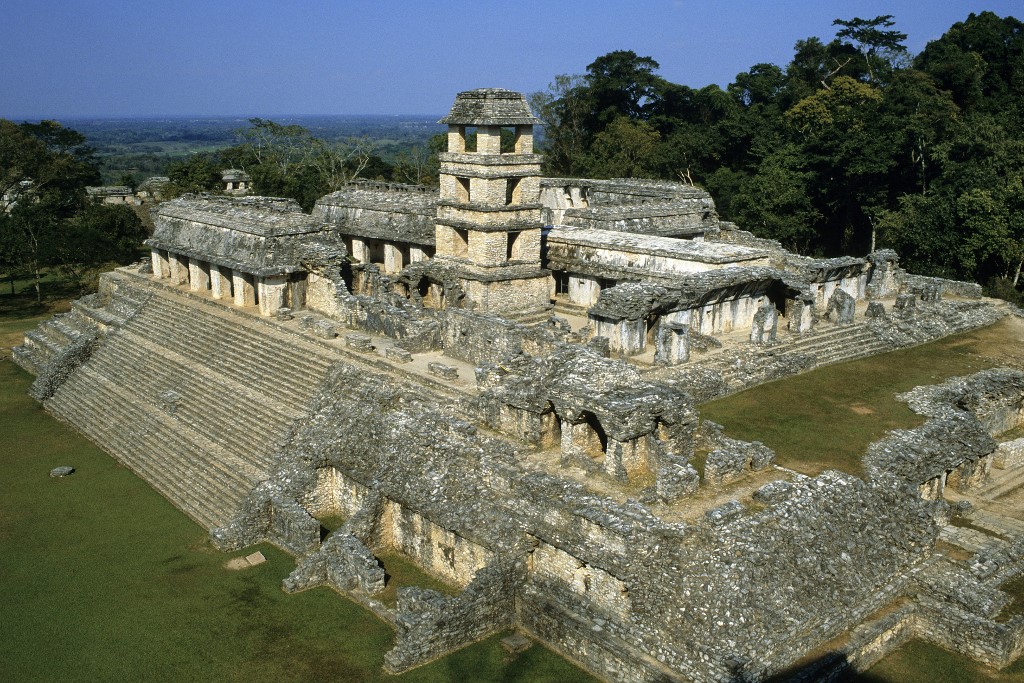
point(501, 380)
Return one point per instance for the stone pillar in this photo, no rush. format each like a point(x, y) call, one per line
point(198, 275)
point(416, 255)
point(801, 315)
point(271, 293)
point(360, 251)
point(765, 325)
point(178, 268)
point(245, 294)
point(392, 258)
point(580, 444)
point(583, 290)
point(161, 269)
point(672, 343)
point(220, 282)
point(296, 297)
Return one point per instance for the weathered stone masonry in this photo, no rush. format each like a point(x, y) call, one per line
point(500, 382)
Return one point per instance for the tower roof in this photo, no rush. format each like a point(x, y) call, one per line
point(490, 107)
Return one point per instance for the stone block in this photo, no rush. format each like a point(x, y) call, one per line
point(905, 305)
point(359, 342)
point(443, 371)
point(325, 329)
point(397, 354)
point(843, 306)
point(875, 310)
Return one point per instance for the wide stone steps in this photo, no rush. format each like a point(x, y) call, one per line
point(268, 365)
point(195, 401)
point(999, 486)
point(253, 431)
point(303, 351)
point(833, 346)
point(185, 467)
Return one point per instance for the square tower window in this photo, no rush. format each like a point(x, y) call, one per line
point(508, 140)
point(513, 249)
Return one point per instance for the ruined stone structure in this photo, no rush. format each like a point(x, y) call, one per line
point(112, 194)
point(500, 381)
point(235, 182)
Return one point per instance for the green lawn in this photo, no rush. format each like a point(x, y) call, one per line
point(825, 419)
point(920, 662)
point(104, 580)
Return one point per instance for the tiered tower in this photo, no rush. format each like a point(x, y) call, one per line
point(489, 221)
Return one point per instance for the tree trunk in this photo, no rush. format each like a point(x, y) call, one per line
point(39, 292)
point(1016, 276)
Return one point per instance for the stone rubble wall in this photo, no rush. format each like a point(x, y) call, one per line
point(430, 625)
point(915, 284)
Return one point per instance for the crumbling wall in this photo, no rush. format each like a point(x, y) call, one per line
point(430, 625)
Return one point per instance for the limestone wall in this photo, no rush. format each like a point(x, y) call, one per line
point(432, 547)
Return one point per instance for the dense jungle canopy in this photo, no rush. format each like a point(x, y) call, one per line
point(854, 144)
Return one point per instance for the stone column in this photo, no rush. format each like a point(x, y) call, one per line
point(672, 343)
point(578, 443)
point(161, 269)
point(198, 275)
point(245, 294)
point(271, 293)
point(220, 282)
point(296, 297)
point(360, 252)
point(416, 255)
point(392, 258)
point(178, 266)
point(583, 291)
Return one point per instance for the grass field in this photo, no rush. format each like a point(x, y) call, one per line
point(825, 419)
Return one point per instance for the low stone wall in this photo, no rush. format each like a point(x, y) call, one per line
point(292, 528)
point(1010, 454)
point(981, 639)
point(430, 625)
point(343, 563)
point(916, 284)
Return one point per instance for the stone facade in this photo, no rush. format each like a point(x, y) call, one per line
point(500, 382)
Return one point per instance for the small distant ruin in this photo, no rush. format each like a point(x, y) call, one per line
point(235, 182)
point(501, 381)
point(112, 194)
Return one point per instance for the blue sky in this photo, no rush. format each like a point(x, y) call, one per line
point(77, 58)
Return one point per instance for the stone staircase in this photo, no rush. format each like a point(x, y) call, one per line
point(54, 335)
point(193, 402)
point(194, 395)
point(1001, 484)
point(834, 344)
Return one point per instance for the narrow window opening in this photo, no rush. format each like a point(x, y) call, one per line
point(461, 243)
point(462, 190)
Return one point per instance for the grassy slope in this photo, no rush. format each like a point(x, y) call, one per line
point(826, 418)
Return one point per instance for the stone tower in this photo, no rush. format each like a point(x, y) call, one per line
point(489, 221)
